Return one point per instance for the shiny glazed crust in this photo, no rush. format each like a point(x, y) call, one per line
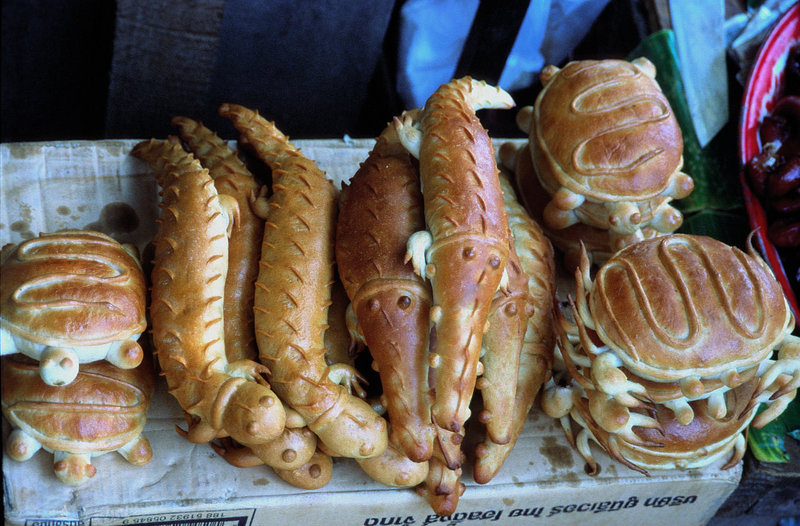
point(678, 306)
point(72, 288)
point(605, 130)
point(535, 362)
point(189, 268)
point(380, 208)
point(231, 177)
point(103, 409)
point(500, 353)
point(293, 293)
point(675, 445)
point(469, 236)
point(595, 240)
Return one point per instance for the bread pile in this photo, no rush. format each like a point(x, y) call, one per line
point(666, 353)
point(424, 260)
point(75, 380)
point(263, 294)
point(451, 285)
point(206, 261)
point(667, 347)
point(607, 154)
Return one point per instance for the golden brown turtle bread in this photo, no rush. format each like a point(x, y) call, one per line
point(72, 297)
point(104, 409)
point(605, 130)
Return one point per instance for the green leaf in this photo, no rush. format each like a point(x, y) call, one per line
point(713, 168)
point(767, 443)
point(730, 227)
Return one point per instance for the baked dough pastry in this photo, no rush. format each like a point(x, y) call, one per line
point(232, 177)
point(70, 298)
point(220, 398)
point(672, 445)
point(680, 308)
point(463, 253)
point(103, 409)
point(607, 149)
point(381, 207)
point(568, 240)
point(660, 337)
point(465, 247)
point(293, 293)
point(535, 360)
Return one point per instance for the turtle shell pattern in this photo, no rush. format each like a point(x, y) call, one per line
point(101, 410)
point(607, 131)
point(679, 305)
point(704, 440)
point(72, 288)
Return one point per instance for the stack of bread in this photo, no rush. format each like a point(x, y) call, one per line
point(425, 259)
point(666, 353)
point(606, 152)
point(431, 266)
point(205, 267)
point(451, 286)
point(75, 380)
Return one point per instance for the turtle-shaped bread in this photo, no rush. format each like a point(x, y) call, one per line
point(103, 409)
point(686, 310)
point(69, 298)
point(569, 240)
point(608, 148)
point(669, 444)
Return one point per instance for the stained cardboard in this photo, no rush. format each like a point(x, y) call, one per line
point(86, 184)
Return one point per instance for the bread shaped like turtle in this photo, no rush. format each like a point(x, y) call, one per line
point(669, 444)
point(70, 298)
point(103, 409)
point(608, 149)
point(670, 394)
point(569, 240)
point(688, 310)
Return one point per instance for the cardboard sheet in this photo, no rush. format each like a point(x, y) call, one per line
point(50, 186)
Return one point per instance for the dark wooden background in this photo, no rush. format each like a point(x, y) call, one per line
point(93, 69)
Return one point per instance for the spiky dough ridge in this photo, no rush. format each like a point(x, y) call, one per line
point(293, 292)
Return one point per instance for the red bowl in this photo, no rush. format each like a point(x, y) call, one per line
point(761, 92)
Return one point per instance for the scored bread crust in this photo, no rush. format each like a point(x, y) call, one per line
point(535, 363)
point(232, 177)
point(533, 196)
point(380, 208)
point(103, 409)
point(675, 445)
point(293, 292)
point(72, 288)
point(679, 306)
point(189, 269)
point(605, 130)
point(469, 235)
point(501, 349)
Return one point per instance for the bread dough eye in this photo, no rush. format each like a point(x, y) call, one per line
point(510, 310)
point(404, 302)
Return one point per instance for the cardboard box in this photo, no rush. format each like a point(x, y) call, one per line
point(50, 186)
